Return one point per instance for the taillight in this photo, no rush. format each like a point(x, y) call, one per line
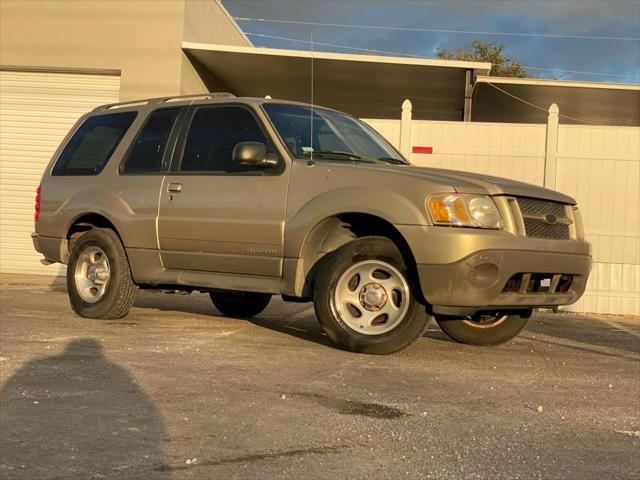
point(36, 215)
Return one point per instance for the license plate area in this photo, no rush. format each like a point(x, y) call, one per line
point(539, 283)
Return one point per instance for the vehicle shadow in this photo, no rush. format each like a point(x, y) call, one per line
point(58, 284)
point(308, 328)
point(580, 332)
point(302, 324)
point(600, 335)
point(434, 332)
point(299, 321)
point(190, 303)
point(571, 331)
point(77, 415)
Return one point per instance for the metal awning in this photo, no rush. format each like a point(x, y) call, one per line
point(587, 102)
point(366, 86)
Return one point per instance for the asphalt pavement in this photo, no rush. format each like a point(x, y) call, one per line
point(176, 391)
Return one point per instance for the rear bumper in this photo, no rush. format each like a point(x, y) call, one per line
point(52, 249)
point(477, 282)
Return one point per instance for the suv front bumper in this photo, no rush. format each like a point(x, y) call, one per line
point(463, 271)
point(482, 281)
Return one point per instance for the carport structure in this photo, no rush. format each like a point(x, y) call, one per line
point(372, 86)
point(366, 86)
point(579, 102)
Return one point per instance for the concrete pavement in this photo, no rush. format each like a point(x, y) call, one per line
point(175, 391)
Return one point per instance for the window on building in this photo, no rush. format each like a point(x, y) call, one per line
point(213, 134)
point(91, 146)
point(148, 149)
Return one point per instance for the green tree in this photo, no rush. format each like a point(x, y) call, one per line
point(501, 64)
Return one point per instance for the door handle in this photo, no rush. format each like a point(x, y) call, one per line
point(174, 187)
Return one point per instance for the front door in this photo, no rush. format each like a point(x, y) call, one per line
point(217, 216)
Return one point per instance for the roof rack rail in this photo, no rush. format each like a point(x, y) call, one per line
point(147, 101)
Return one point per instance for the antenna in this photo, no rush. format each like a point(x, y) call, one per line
point(311, 123)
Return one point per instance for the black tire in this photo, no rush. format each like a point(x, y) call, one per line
point(120, 291)
point(240, 304)
point(410, 327)
point(475, 332)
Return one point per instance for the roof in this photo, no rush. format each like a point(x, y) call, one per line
point(558, 83)
point(180, 99)
point(526, 100)
point(367, 86)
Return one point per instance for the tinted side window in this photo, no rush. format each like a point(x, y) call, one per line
point(213, 134)
point(90, 148)
point(147, 151)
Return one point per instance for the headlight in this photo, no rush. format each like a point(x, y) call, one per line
point(463, 210)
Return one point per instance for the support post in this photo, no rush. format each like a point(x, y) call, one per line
point(468, 93)
point(405, 128)
point(551, 152)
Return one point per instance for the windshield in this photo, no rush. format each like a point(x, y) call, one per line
point(335, 135)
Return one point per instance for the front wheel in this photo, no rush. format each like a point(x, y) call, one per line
point(240, 304)
point(482, 329)
point(364, 300)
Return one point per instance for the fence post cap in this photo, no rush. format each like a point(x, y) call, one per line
point(406, 105)
point(554, 109)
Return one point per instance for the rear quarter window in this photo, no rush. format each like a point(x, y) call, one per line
point(147, 152)
point(91, 146)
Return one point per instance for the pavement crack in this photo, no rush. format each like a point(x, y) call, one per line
point(256, 457)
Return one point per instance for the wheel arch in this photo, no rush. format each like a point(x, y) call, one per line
point(84, 222)
point(336, 230)
point(388, 205)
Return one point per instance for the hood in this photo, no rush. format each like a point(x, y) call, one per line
point(466, 182)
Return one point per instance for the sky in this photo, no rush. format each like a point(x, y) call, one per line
point(606, 60)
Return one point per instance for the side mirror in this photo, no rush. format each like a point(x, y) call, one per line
point(254, 154)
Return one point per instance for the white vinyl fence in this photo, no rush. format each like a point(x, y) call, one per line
point(599, 166)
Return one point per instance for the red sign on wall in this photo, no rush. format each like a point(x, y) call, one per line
point(417, 149)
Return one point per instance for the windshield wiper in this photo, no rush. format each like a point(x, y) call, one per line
point(333, 153)
point(338, 155)
point(394, 161)
point(355, 157)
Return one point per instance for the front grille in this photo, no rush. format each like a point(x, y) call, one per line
point(531, 206)
point(535, 214)
point(537, 229)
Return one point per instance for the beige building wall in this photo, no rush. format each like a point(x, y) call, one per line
point(138, 39)
point(60, 59)
point(206, 21)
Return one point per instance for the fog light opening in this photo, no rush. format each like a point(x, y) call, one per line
point(485, 275)
point(564, 284)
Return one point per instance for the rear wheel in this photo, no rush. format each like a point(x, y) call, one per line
point(240, 304)
point(363, 298)
point(99, 281)
point(490, 329)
